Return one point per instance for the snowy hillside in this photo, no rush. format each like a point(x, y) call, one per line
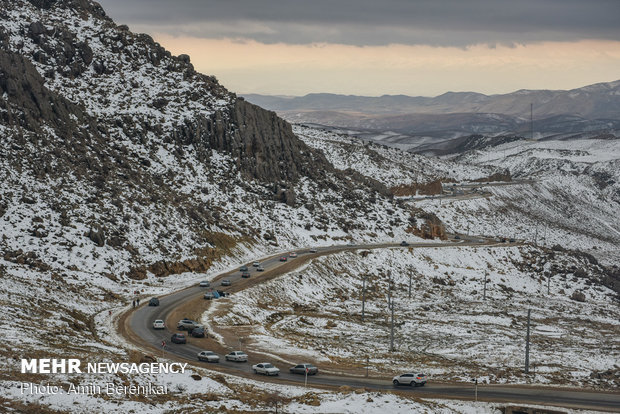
point(388, 165)
point(124, 173)
point(447, 328)
point(573, 201)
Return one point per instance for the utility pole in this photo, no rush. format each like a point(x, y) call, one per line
point(410, 285)
point(527, 344)
point(391, 308)
point(536, 235)
point(484, 295)
point(364, 295)
point(532, 121)
point(476, 389)
point(548, 283)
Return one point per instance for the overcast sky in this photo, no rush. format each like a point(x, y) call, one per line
point(414, 47)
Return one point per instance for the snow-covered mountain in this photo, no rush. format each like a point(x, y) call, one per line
point(423, 123)
point(124, 170)
point(596, 101)
point(113, 146)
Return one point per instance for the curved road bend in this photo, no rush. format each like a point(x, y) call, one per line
point(138, 324)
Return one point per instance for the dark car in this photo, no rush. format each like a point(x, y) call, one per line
point(457, 237)
point(243, 269)
point(245, 275)
point(404, 243)
point(222, 293)
point(178, 338)
point(283, 258)
point(199, 332)
point(154, 302)
point(301, 369)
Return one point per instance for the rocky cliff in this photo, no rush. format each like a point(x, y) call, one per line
point(119, 157)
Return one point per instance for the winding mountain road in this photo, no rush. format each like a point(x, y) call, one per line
point(136, 325)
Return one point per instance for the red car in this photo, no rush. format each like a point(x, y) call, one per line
point(245, 275)
point(283, 258)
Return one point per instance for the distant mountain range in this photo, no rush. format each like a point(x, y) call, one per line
point(601, 100)
point(407, 120)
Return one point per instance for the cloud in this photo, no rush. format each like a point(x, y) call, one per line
point(369, 22)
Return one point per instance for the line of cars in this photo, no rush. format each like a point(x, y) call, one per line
point(265, 368)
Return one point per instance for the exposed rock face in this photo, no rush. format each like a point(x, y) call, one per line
point(498, 176)
point(578, 296)
point(434, 187)
point(263, 144)
point(97, 235)
point(30, 104)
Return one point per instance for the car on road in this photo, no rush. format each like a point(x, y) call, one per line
point(511, 240)
point(198, 332)
point(256, 264)
point(292, 254)
point(243, 269)
point(187, 324)
point(302, 368)
point(159, 324)
point(409, 378)
point(208, 356)
point(209, 295)
point(260, 269)
point(178, 338)
point(313, 250)
point(265, 368)
point(457, 237)
point(205, 283)
point(154, 302)
point(238, 356)
point(351, 244)
point(283, 258)
point(245, 275)
point(222, 293)
point(404, 243)
point(226, 282)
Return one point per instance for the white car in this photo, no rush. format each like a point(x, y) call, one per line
point(208, 356)
point(256, 264)
point(265, 368)
point(292, 254)
point(238, 356)
point(205, 283)
point(313, 250)
point(260, 269)
point(159, 324)
point(409, 378)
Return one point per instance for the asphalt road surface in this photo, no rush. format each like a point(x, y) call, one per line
point(140, 322)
